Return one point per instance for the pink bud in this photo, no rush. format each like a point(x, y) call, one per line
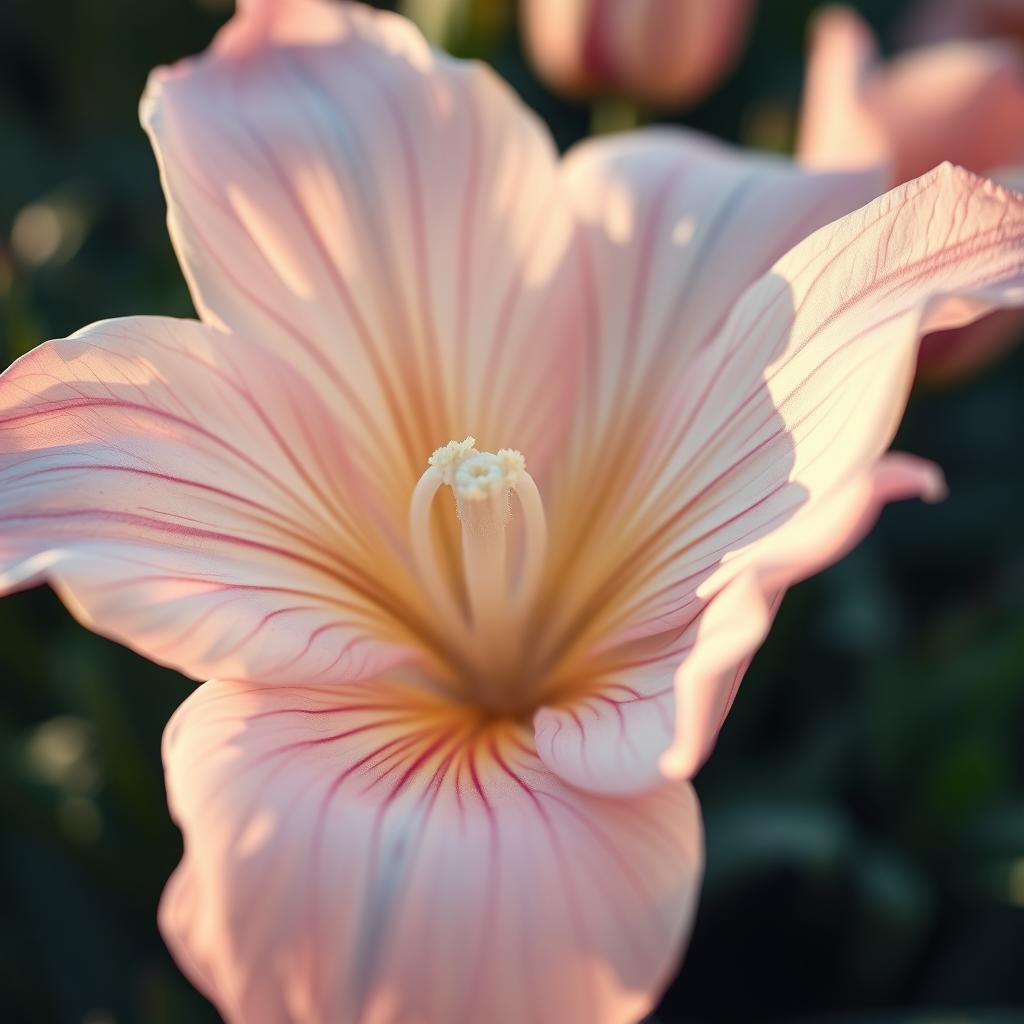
point(663, 52)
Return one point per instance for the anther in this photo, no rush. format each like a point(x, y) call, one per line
point(446, 460)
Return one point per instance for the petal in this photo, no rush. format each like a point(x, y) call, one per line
point(804, 388)
point(837, 128)
point(368, 854)
point(792, 476)
point(737, 619)
point(777, 429)
point(610, 738)
point(661, 715)
point(170, 482)
point(962, 101)
point(676, 227)
point(389, 217)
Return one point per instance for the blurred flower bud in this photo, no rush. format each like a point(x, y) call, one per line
point(931, 21)
point(960, 101)
point(659, 52)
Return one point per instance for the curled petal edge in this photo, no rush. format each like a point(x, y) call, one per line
point(736, 620)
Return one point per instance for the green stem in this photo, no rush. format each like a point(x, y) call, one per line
point(614, 114)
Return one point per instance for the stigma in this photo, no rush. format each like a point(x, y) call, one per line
point(481, 475)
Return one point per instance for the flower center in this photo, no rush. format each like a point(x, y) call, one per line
point(501, 567)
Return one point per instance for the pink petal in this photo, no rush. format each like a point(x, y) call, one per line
point(776, 431)
point(805, 385)
point(835, 328)
point(961, 101)
point(171, 482)
point(610, 739)
point(837, 127)
point(737, 619)
point(644, 725)
point(366, 854)
point(676, 227)
point(390, 218)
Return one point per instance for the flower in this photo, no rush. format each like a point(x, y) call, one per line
point(663, 52)
point(472, 491)
point(955, 101)
point(960, 101)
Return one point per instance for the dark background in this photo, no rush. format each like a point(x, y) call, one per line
point(865, 806)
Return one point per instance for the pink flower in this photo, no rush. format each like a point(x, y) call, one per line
point(440, 772)
point(664, 52)
point(959, 101)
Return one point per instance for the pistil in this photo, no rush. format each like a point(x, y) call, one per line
point(500, 578)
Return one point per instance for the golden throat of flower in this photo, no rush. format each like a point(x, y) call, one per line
point(499, 583)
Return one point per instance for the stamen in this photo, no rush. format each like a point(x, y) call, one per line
point(423, 551)
point(482, 484)
point(535, 539)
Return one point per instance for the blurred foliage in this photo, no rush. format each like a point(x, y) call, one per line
point(865, 807)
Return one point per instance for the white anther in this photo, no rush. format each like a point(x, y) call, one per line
point(512, 464)
point(446, 460)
